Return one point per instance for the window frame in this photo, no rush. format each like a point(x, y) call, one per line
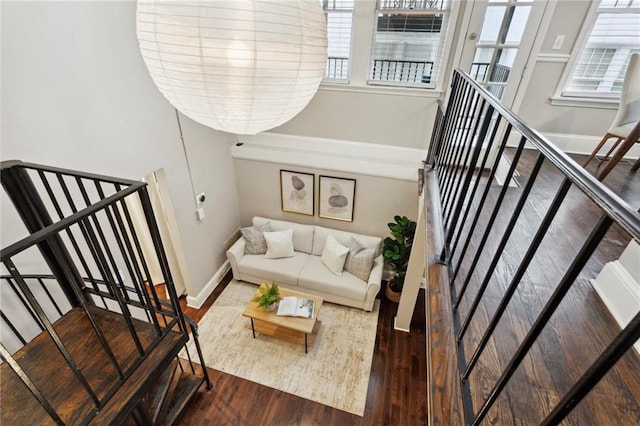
point(342, 81)
point(364, 25)
point(449, 20)
point(585, 99)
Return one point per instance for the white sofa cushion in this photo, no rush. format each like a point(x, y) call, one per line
point(302, 234)
point(334, 255)
point(279, 244)
point(321, 233)
point(316, 276)
point(283, 271)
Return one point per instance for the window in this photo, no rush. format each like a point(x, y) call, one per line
point(600, 67)
point(339, 17)
point(408, 40)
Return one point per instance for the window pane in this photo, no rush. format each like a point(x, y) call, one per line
point(614, 37)
point(408, 41)
point(518, 23)
point(491, 25)
point(339, 18)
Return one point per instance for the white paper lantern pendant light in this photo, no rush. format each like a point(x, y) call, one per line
point(241, 66)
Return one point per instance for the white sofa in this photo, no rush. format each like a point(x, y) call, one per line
point(305, 270)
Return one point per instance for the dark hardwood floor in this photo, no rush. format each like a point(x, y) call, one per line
point(581, 327)
point(397, 387)
point(396, 394)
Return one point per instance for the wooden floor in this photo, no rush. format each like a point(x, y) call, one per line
point(397, 387)
point(580, 329)
point(396, 394)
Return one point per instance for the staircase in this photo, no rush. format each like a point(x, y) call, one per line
point(85, 339)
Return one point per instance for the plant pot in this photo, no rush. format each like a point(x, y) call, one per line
point(271, 307)
point(392, 295)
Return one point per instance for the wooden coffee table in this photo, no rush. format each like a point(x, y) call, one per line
point(293, 329)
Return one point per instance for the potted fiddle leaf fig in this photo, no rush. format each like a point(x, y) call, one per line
point(396, 251)
point(268, 297)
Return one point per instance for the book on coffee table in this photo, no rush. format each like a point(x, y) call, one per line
point(296, 307)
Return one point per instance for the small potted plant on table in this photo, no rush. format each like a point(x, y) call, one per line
point(396, 252)
point(268, 297)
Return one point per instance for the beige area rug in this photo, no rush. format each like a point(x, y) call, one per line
point(335, 372)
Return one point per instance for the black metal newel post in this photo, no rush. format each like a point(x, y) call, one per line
point(24, 195)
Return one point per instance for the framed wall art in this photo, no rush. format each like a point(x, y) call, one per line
point(336, 198)
point(297, 192)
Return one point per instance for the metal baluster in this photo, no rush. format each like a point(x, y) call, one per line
point(474, 190)
point(6, 357)
point(85, 233)
point(457, 120)
point(458, 194)
point(143, 261)
point(489, 226)
point(15, 331)
point(162, 257)
point(108, 279)
point(550, 307)
point(524, 264)
point(52, 332)
point(503, 242)
point(25, 304)
point(96, 223)
point(124, 251)
point(607, 359)
point(137, 278)
point(46, 290)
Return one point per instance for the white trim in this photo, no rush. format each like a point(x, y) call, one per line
point(555, 58)
point(330, 154)
point(198, 300)
point(618, 285)
point(382, 90)
point(580, 102)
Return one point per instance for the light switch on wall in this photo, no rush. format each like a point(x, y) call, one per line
point(557, 44)
point(200, 213)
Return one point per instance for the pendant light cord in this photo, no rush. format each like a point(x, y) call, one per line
point(186, 157)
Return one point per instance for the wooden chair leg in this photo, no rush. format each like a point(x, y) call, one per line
point(598, 148)
point(613, 147)
point(636, 165)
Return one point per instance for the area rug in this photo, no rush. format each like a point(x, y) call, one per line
point(335, 372)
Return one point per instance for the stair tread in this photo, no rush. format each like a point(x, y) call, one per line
point(187, 385)
point(46, 367)
point(160, 389)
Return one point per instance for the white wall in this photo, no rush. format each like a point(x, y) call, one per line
point(76, 94)
point(373, 117)
point(536, 109)
point(377, 199)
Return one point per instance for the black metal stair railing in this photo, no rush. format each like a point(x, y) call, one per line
point(476, 154)
point(90, 258)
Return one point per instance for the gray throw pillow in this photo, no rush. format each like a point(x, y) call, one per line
point(254, 238)
point(359, 260)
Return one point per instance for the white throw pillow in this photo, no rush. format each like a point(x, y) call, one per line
point(334, 255)
point(279, 244)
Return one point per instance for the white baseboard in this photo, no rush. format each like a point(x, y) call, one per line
point(197, 301)
point(618, 285)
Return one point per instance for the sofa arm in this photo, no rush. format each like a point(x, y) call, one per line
point(235, 254)
point(374, 283)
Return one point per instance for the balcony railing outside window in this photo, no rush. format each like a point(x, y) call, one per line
point(402, 71)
